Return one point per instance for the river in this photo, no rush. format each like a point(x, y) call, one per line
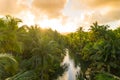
point(71, 72)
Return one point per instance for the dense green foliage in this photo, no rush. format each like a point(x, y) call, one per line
point(100, 47)
point(32, 53)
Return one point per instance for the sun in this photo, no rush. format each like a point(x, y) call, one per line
point(27, 18)
point(56, 24)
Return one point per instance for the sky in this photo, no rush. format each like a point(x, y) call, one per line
point(63, 15)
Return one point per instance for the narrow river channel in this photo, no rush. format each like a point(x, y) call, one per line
point(72, 71)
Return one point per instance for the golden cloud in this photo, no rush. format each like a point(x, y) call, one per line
point(112, 15)
point(11, 6)
point(50, 7)
point(102, 10)
point(101, 3)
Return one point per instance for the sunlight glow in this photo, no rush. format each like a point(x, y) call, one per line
point(105, 10)
point(56, 24)
point(27, 18)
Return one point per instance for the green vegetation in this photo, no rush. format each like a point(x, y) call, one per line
point(29, 52)
point(100, 49)
point(33, 53)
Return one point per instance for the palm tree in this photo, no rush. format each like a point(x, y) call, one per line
point(9, 39)
point(8, 65)
point(98, 31)
point(44, 53)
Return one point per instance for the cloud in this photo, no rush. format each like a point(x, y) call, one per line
point(112, 15)
point(102, 11)
point(52, 8)
point(100, 3)
point(12, 6)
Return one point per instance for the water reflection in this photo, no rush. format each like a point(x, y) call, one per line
point(72, 71)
